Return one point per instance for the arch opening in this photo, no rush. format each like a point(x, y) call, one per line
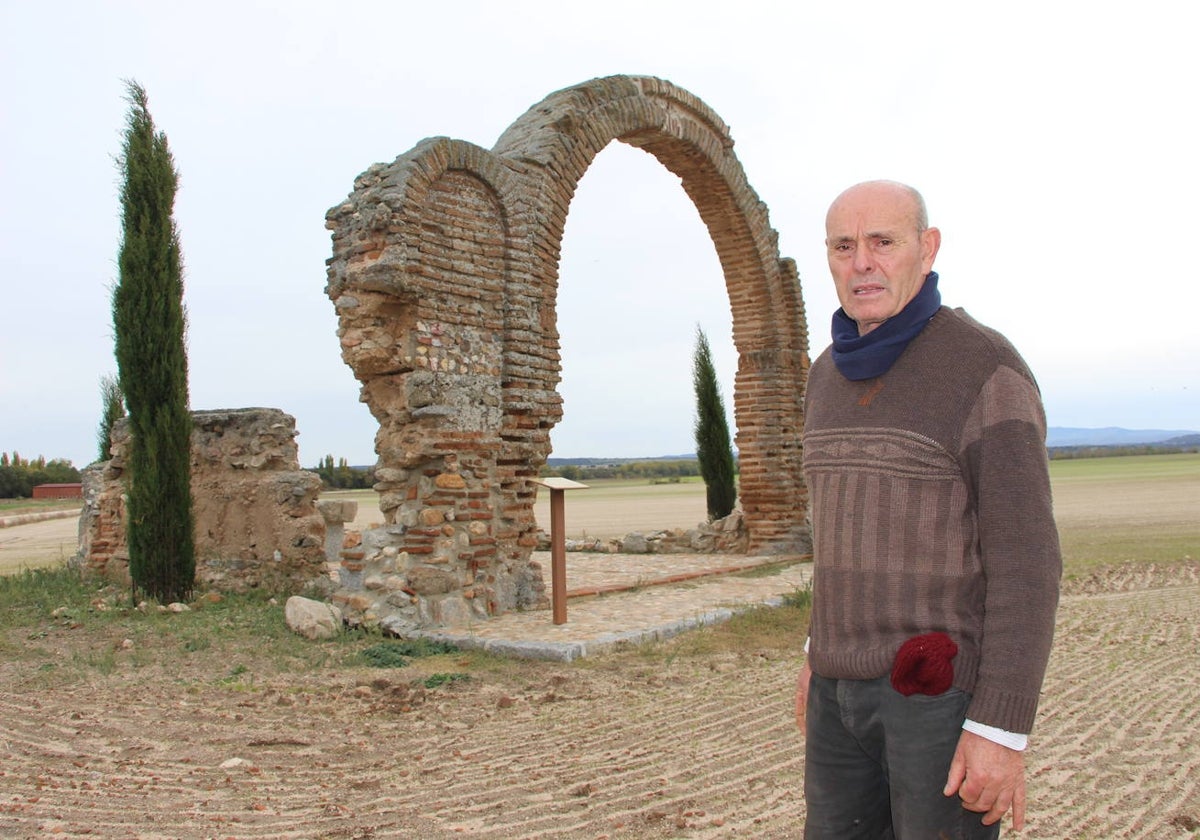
point(638, 272)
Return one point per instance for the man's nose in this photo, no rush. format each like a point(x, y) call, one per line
point(864, 260)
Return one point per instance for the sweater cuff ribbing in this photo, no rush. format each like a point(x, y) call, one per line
point(1003, 710)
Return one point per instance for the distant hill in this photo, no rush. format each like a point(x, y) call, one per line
point(1112, 436)
point(1057, 437)
point(599, 462)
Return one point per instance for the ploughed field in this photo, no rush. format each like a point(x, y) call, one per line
point(680, 739)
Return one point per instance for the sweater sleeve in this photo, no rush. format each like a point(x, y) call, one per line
point(1008, 472)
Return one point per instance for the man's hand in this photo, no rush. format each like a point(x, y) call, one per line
point(802, 698)
point(988, 778)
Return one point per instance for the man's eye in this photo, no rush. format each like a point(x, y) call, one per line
point(843, 247)
point(885, 245)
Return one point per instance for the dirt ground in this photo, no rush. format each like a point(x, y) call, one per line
point(622, 746)
point(37, 544)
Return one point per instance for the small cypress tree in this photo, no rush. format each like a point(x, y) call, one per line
point(113, 409)
point(714, 449)
point(149, 322)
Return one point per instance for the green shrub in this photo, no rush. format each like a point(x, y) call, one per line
point(396, 654)
point(435, 680)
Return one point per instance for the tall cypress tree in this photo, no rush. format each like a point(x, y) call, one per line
point(714, 450)
point(149, 322)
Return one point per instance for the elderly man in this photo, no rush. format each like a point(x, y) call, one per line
point(936, 557)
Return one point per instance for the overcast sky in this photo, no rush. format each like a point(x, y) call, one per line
point(1056, 145)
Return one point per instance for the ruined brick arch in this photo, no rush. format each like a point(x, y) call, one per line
point(444, 276)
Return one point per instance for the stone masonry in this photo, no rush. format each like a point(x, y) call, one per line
point(444, 276)
point(256, 518)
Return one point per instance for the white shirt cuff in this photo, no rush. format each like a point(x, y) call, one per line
point(1013, 740)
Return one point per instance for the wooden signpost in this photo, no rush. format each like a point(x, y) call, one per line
point(558, 542)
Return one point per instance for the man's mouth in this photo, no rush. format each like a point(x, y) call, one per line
point(868, 290)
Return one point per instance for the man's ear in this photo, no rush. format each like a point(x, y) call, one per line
point(931, 241)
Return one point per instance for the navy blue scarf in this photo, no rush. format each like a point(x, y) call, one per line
point(867, 356)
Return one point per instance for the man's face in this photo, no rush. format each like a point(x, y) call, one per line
point(877, 256)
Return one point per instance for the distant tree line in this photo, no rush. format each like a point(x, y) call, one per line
point(342, 476)
point(1063, 453)
point(18, 476)
point(339, 475)
point(651, 469)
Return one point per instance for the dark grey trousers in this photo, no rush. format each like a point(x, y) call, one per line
point(876, 763)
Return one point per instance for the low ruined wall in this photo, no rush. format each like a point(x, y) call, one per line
point(724, 536)
point(256, 517)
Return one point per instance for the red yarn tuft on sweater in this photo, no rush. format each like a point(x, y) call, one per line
point(923, 665)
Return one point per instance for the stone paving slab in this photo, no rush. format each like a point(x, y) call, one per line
point(642, 598)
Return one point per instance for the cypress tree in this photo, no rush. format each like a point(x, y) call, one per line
point(714, 450)
point(113, 409)
point(149, 322)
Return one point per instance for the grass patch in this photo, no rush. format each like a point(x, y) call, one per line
point(57, 625)
point(760, 631)
point(1087, 551)
point(763, 628)
point(1139, 508)
point(1126, 468)
point(439, 679)
point(397, 654)
point(383, 656)
point(58, 628)
point(425, 647)
point(799, 598)
point(14, 507)
point(757, 631)
point(764, 570)
point(30, 593)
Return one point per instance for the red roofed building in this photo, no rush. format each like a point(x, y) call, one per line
point(58, 491)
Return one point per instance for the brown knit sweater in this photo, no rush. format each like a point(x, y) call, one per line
point(931, 511)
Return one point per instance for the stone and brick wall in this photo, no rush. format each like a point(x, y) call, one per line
point(256, 519)
point(444, 276)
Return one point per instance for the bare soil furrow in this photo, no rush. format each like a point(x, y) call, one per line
point(619, 748)
point(1117, 750)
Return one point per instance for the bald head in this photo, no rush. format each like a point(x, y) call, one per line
point(892, 191)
